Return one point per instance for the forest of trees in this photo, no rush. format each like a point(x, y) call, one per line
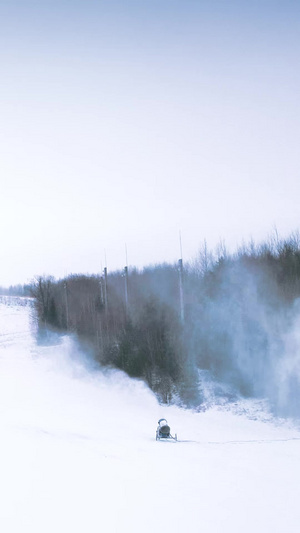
point(16, 290)
point(237, 312)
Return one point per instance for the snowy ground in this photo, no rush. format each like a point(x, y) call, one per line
point(78, 451)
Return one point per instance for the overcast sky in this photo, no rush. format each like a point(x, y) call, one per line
point(129, 121)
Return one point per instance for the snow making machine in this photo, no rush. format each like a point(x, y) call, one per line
point(163, 430)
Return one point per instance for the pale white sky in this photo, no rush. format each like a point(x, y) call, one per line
point(129, 122)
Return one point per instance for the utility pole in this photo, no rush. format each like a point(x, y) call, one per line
point(101, 290)
point(126, 289)
point(180, 270)
point(67, 304)
point(126, 282)
point(105, 291)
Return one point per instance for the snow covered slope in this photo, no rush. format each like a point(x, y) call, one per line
point(78, 451)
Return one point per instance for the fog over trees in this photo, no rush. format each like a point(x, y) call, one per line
point(238, 324)
point(16, 290)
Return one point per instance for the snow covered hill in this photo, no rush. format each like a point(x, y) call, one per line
point(78, 451)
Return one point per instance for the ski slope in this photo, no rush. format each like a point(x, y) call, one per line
point(78, 451)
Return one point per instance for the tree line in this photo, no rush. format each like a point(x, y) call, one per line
point(16, 290)
point(238, 308)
